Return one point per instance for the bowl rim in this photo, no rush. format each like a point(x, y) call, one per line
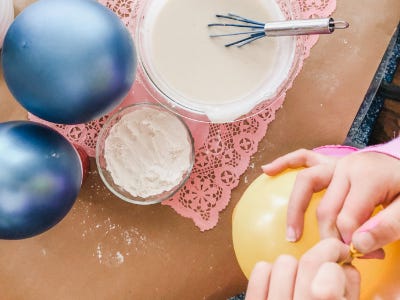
point(158, 198)
point(193, 113)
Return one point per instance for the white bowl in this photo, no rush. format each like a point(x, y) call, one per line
point(110, 176)
point(176, 97)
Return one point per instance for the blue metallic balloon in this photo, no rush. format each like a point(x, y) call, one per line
point(40, 178)
point(68, 61)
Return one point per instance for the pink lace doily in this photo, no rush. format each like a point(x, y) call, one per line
point(223, 151)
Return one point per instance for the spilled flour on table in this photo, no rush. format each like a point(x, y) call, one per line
point(108, 257)
point(110, 243)
point(126, 242)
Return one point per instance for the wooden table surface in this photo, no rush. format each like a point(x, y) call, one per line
point(108, 249)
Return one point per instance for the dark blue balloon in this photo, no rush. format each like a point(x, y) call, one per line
point(68, 61)
point(40, 178)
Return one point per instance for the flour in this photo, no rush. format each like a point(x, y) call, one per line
point(107, 241)
point(116, 244)
point(99, 252)
point(119, 257)
point(148, 152)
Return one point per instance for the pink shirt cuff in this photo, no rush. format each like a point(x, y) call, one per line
point(391, 148)
point(335, 150)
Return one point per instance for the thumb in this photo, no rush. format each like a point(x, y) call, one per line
point(329, 282)
point(380, 230)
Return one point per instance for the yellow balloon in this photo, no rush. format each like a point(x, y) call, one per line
point(259, 231)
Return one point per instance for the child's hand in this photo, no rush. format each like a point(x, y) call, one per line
point(315, 276)
point(355, 184)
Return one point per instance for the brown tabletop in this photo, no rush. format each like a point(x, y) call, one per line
point(108, 249)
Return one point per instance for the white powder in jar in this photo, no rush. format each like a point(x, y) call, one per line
point(148, 152)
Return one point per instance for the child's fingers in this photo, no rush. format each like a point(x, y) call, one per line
point(353, 282)
point(380, 230)
point(283, 278)
point(328, 250)
point(308, 181)
point(258, 285)
point(335, 282)
point(331, 204)
point(329, 283)
point(296, 159)
point(358, 207)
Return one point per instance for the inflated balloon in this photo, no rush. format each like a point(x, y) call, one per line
point(40, 177)
point(259, 231)
point(68, 61)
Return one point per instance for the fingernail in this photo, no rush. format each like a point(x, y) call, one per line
point(260, 265)
point(291, 235)
point(363, 241)
point(347, 238)
point(259, 270)
point(265, 167)
point(369, 225)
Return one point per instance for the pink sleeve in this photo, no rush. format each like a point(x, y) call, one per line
point(391, 148)
point(335, 150)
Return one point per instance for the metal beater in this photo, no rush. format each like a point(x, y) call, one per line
point(276, 28)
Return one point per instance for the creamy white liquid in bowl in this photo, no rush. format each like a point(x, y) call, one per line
point(198, 73)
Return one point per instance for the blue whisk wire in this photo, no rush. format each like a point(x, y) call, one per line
point(245, 41)
point(257, 32)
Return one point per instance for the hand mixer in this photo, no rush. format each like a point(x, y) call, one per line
point(276, 28)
